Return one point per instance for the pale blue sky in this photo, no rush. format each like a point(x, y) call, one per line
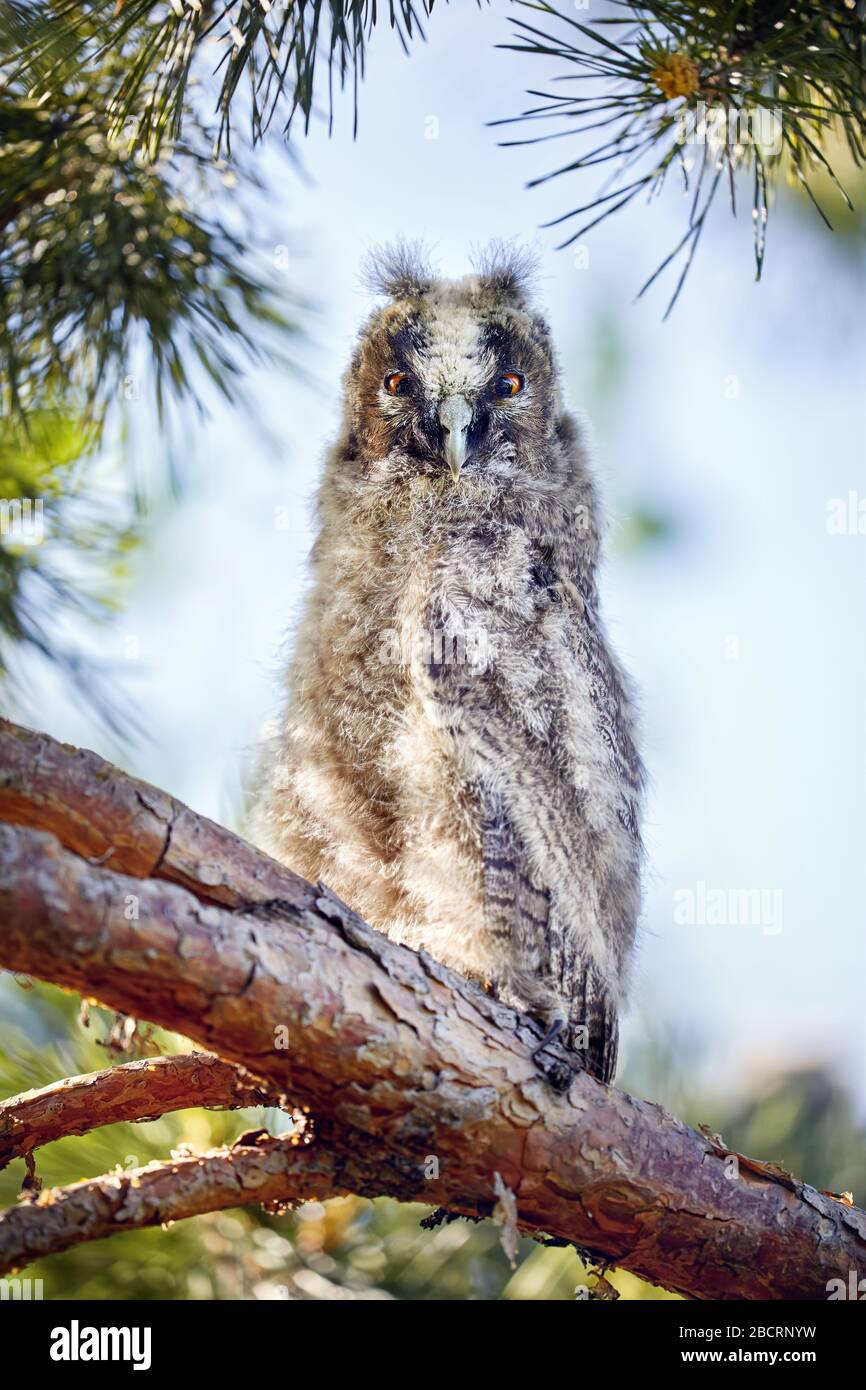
point(757, 763)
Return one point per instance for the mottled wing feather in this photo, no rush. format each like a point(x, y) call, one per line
point(516, 907)
point(518, 915)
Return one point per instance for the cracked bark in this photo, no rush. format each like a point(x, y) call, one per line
point(399, 1060)
point(271, 1171)
point(132, 1091)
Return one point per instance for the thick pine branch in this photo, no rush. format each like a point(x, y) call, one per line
point(162, 914)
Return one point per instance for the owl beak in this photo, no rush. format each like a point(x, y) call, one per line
point(455, 417)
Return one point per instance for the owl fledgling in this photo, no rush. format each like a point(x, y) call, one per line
point(456, 758)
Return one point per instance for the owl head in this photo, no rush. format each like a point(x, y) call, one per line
point(452, 379)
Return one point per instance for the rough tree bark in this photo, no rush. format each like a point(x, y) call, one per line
point(139, 1091)
point(113, 889)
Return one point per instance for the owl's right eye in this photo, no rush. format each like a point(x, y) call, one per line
point(398, 383)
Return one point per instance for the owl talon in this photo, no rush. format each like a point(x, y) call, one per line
point(556, 1072)
point(553, 1031)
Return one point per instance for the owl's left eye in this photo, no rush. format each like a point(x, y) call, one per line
point(510, 384)
point(398, 383)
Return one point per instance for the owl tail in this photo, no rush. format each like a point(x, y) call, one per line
point(593, 1024)
point(595, 1033)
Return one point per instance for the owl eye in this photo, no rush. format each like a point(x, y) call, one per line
point(398, 383)
point(511, 384)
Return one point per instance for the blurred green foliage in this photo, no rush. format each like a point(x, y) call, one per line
point(68, 534)
point(350, 1248)
point(101, 248)
point(849, 224)
point(126, 276)
point(108, 245)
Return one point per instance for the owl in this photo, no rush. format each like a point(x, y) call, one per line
point(456, 755)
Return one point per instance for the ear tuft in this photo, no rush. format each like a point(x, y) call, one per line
point(401, 270)
point(507, 271)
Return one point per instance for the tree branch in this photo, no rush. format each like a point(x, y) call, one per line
point(400, 1060)
point(270, 1171)
point(134, 1091)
